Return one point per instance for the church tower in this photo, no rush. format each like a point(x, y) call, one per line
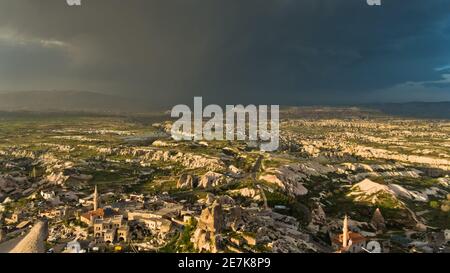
point(345, 232)
point(96, 201)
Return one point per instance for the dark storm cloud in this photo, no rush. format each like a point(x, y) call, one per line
point(252, 51)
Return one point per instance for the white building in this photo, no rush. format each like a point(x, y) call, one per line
point(447, 235)
point(73, 247)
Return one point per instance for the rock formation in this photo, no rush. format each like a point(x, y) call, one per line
point(287, 179)
point(318, 218)
point(207, 235)
point(33, 242)
point(254, 194)
point(212, 179)
point(186, 181)
point(378, 221)
point(370, 191)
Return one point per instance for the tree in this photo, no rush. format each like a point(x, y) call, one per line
point(434, 204)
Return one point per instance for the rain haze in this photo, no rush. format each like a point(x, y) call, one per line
point(260, 52)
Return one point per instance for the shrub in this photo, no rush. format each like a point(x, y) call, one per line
point(434, 204)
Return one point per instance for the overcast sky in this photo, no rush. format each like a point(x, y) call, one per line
point(233, 51)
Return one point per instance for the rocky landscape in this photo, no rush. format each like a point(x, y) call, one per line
point(389, 175)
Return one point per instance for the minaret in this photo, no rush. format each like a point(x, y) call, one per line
point(2, 233)
point(345, 232)
point(95, 198)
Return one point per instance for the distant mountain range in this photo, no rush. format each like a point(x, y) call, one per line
point(438, 110)
point(91, 102)
point(68, 101)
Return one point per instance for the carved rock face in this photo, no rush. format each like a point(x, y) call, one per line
point(207, 235)
point(211, 218)
point(187, 181)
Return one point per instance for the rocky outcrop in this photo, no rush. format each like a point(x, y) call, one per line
point(160, 143)
point(147, 155)
point(207, 234)
point(370, 152)
point(212, 179)
point(318, 218)
point(370, 191)
point(234, 171)
point(206, 241)
point(57, 178)
point(234, 219)
point(34, 241)
point(188, 160)
point(291, 177)
point(287, 179)
point(279, 233)
point(254, 194)
point(378, 221)
point(187, 181)
point(191, 161)
point(368, 187)
point(211, 219)
point(408, 194)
